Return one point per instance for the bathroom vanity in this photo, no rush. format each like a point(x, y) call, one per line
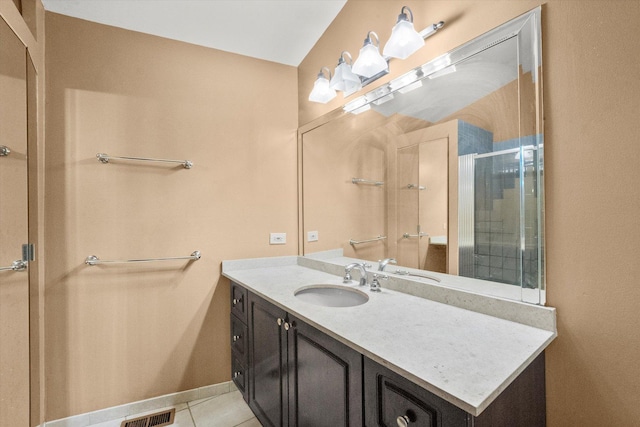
point(396, 359)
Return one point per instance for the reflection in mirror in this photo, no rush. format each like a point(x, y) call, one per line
point(448, 165)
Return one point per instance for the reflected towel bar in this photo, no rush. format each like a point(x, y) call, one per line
point(423, 276)
point(416, 187)
point(4, 151)
point(104, 158)
point(17, 265)
point(94, 260)
point(366, 181)
point(420, 234)
point(375, 239)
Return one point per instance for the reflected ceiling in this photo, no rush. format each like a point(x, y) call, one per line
point(472, 80)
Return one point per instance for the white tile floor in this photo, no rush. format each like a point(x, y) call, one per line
point(226, 410)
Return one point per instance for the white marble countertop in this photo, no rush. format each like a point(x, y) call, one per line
point(465, 357)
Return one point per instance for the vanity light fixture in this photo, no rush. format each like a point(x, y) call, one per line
point(404, 39)
point(370, 62)
point(322, 91)
point(371, 65)
point(344, 79)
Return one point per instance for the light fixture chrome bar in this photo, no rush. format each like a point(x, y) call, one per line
point(17, 265)
point(104, 158)
point(431, 29)
point(375, 239)
point(366, 181)
point(94, 260)
point(4, 151)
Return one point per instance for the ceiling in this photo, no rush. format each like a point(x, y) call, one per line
point(282, 31)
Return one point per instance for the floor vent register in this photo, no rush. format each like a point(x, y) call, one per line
point(158, 419)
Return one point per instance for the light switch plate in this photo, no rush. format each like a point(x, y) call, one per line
point(312, 236)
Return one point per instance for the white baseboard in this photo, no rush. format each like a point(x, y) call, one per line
point(160, 402)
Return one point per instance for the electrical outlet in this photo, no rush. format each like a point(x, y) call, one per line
point(312, 236)
point(277, 238)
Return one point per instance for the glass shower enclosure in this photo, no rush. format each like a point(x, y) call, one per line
point(500, 217)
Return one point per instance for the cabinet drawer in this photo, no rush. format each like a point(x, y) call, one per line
point(239, 336)
point(390, 397)
point(239, 302)
point(239, 375)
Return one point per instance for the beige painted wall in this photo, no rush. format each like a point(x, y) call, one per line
point(117, 334)
point(591, 103)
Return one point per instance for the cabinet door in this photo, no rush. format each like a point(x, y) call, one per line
point(325, 379)
point(390, 398)
point(267, 362)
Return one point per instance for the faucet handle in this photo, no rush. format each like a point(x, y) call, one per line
point(375, 283)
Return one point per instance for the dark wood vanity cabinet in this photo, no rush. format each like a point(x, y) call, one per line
point(291, 374)
point(239, 339)
point(299, 376)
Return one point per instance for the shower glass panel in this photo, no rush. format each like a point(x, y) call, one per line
point(497, 249)
point(505, 218)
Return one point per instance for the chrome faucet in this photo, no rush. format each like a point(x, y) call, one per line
point(363, 272)
point(383, 263)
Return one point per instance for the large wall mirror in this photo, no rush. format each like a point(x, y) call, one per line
point(441, 168)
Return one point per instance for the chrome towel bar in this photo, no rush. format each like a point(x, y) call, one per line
point(366, 181)
point(420, 234)
point(4, 151)
point(94, 260)
point(17, 265)
point(104, 158)
point(375, 239)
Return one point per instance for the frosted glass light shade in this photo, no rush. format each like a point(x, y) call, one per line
point(345, 80)
point(369, 62)
point(404, 40)
point(322, 91)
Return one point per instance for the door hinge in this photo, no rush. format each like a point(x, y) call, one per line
point(28, 252)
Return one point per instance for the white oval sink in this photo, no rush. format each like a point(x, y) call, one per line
point(331, 295)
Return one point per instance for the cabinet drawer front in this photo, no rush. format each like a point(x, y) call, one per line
point(239, 338)
point(396, 402)
point(388, 396)
point(239, 375)
point(239, 302)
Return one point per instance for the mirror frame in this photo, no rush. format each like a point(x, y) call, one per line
point(526, 29)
